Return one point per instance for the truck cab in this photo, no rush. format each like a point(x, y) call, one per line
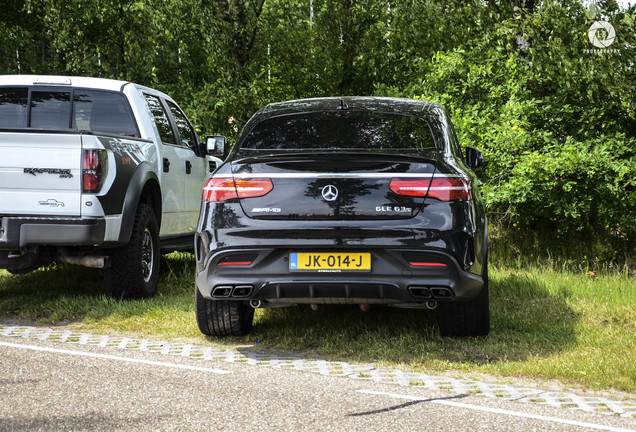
point(97, 172)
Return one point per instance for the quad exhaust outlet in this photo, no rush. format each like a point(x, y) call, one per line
point(437, 292)
point(232, 291)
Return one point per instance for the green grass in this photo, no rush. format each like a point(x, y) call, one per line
point(577, 328)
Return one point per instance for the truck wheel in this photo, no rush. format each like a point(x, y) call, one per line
point(222, 317)
point(134, 268)
point(466, 319)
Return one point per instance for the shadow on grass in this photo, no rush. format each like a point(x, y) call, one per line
point(68, 293)
point(526, 321)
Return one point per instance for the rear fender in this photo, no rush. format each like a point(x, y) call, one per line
point(143, 187)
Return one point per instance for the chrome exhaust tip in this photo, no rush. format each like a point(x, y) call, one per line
point(222, 291)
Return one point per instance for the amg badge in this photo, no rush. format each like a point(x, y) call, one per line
point(266, 210)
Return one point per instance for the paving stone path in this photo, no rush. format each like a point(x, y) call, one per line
point(623, 408)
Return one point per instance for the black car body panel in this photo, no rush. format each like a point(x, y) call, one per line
point(361, 180)
point(337, 192)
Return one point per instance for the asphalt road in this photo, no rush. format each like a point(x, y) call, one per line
point(61, 387)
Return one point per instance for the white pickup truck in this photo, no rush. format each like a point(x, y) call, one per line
point(96, 172)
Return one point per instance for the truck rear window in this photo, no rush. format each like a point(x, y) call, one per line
point(13, 107)
point(77, 109)
point(50, 109)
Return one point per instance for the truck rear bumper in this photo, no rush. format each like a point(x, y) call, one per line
point(20, 232)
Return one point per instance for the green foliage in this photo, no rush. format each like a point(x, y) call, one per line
point(557, 123)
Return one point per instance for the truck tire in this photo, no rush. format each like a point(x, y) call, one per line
point(461, 319)
point(222, 317)
point(134, 269)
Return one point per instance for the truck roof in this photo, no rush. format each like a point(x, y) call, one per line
point(56, 80)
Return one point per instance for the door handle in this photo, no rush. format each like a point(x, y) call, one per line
point(166, 165)
point(188, 167)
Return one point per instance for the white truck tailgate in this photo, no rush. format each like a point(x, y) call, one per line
point(40, 174)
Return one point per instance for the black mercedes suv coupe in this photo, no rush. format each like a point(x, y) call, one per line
point(350, 200)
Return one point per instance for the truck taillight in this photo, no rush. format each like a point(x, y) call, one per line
point(93, 170)
point(441, 188)
point(218, 189)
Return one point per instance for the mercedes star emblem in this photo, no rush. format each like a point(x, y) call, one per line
point(330, 193)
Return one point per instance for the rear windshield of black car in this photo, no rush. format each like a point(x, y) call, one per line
point(340, 131)
point(66, 109)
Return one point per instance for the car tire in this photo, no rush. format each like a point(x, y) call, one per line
point(222, 317)
point(134, 268)
point(462, 319)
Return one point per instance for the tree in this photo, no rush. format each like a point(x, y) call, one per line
point(556, 119)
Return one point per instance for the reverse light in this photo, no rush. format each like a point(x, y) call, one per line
point(219, 189)
point(251, 188)
point(441, 188)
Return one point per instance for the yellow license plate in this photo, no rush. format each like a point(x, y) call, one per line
point(323, 261)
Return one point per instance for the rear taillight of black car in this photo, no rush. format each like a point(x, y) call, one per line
point(218, 189)
point(441, 188)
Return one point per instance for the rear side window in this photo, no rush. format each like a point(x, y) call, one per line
point(454, 141)
point(161, 120)
point(13, 107)
point(102, 111)
point(183, 126)
point(341, 131)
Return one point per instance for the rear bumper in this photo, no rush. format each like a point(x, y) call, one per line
point(392, 280)
point(20, 232)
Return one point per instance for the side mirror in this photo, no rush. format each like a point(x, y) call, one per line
point(215, 145)
point(474, 157)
